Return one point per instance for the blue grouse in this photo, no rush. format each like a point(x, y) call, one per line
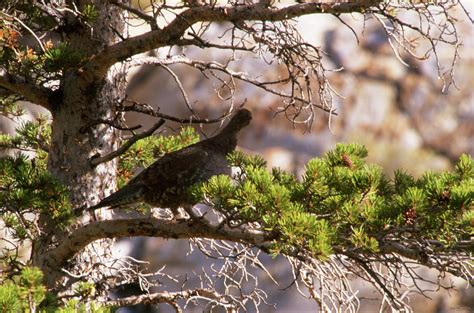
point(165, 183)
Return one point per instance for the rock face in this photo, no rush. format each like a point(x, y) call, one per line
point(165, 182)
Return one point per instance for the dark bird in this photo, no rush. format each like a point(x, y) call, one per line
point(165, 183)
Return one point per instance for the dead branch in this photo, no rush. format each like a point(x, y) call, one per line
point(213, 67)
point(148, 110)
point(96, 160)
point(171, 298)
point(99, 65)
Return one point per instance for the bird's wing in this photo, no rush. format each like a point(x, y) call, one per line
point(176, 166)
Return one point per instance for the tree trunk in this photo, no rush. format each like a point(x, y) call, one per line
point(80, 101)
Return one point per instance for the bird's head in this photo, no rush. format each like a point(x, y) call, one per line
point(237, 122)
point(227, 138)
point(241, 119)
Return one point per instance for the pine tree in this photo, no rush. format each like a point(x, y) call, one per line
point(343, 216)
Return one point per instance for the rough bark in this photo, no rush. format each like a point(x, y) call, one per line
point(81, 101)
point(153, 227)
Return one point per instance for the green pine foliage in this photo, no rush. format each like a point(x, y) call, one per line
point(89, 13)
point(60, 57)
point(27, 187)
point(75, 306)
point(30, 136)
point(10, 108)
point(25, 293)
point(342, 202)
point(25, 184)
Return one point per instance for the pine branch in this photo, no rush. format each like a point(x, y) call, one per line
point(20, 86)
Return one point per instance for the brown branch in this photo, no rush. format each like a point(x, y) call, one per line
point(199, 42)
point(193, 228)
point(96, 160)
point(111, 123)
point(170, 298)
point(150, 227)
point(148, 110)
point(22, 87)
point(173, 32)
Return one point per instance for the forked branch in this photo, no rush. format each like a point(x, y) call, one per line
point(174, 31)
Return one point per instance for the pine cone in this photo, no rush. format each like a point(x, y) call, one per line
point(165, 183)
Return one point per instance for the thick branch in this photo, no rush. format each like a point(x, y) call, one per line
point(172, 33)
point(150, 227)
point(20, 86)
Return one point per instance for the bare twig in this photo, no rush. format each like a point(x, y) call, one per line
point(181, 88)
point(171, 298)
point(149, 19)
point(375, 279)
point(28, 29)
point(148, 110)
point(208, 13)
point(245, 77)
point(96, 160)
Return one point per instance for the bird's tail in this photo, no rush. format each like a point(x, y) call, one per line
point(127, 195)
